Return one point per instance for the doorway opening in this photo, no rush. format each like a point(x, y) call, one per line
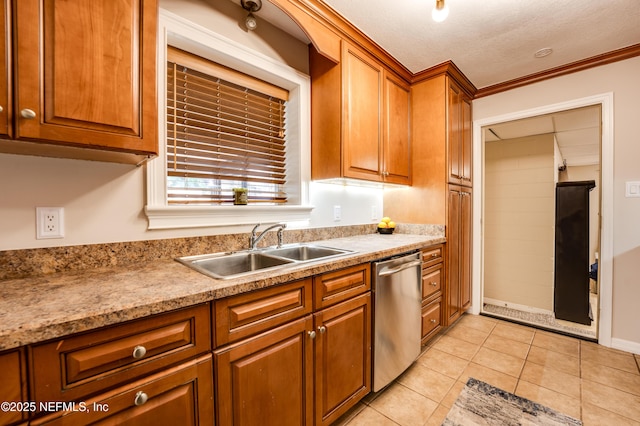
point(515, 227)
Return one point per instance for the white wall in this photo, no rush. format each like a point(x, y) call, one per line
point(518, 222)
point(621, 78)
point(105, 202)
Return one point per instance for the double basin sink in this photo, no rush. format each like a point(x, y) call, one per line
point(236, 264)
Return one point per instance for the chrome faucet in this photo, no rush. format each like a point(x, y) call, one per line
point(254, 239)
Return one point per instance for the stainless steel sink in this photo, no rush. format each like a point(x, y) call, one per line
point(303, 253)
point(236, 264)
point(231, 265)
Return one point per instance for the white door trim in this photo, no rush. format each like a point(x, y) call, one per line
point(605, 266)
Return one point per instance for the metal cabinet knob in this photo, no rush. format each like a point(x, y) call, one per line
point(312, 334)
point(433, 283)
point(433, 321)
point(139, 351)
point(1, 109)
point(322, 329)
point(140, 398)
point(27, 113)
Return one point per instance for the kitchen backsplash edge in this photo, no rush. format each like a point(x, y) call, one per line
point(41, 261)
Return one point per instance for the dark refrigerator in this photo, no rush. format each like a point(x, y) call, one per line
point(571, 274)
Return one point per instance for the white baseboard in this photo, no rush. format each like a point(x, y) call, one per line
point(523, 308)
point(625, 345)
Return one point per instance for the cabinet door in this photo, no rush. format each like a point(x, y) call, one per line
point(343, 357)
point(453, 256)
point(12, 385)
point(182, 395)
point(86, 70)
point(466, 151)
point(5, 69)
point(454, 112)
point(397, 148)
point(362, 118)
point(465, 248)
point(267, 379)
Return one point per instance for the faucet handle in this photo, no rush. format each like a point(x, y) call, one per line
point(255, 228)
point(281, 234)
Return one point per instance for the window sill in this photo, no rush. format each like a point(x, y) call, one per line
point(205, 216)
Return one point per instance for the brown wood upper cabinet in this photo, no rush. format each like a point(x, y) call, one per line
point(360, 119)
point(85, 79)
point(459, 135)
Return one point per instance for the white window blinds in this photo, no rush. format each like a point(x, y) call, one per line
point(225, 130)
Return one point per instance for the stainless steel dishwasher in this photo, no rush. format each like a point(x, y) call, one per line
point(397, 291)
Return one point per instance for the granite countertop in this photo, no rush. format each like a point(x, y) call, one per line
point(51, 306)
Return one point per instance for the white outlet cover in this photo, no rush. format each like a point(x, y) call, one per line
point(337, 213)
point(49, 222)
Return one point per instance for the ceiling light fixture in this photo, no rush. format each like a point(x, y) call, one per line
point(440, 11)
point(252, 6)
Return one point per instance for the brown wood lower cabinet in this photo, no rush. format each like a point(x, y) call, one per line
point(433, 280)
point(182, 395)
point(267, 379)
point(309, 370)
point(13, 389)
point(343, 357)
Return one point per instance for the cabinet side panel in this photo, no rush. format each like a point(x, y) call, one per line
point(428, 159)
point(326, 112)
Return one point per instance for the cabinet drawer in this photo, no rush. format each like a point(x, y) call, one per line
point(181, 395)
point(74, 367)
point(247, 314)
point(431, 281)
point(337, 286)
point(431, 319)
point(432, 255)
point(12, 385)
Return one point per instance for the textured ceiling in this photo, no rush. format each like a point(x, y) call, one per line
point(493, 41)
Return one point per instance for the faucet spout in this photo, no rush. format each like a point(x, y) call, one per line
point(255, 239)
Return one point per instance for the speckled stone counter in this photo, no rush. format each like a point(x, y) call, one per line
point(50, 306)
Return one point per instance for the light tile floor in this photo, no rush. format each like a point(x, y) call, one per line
point(597, 385)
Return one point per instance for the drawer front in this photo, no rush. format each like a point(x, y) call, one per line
point(431, 319)
point(80, 365)
point(431, 281)
point(338, 286)
point(182, 395)
point(248, 314)
point(432, 255)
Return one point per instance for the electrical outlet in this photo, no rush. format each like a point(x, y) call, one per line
point(374, 213)
point(337, 213)
point(49, 222)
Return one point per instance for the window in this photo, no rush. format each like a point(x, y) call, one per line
point(191, 187)
point(225, 130)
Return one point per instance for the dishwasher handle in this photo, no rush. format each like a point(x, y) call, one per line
point(399, 268)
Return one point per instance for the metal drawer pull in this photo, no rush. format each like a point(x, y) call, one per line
point(322, 329)
point(1, 109)
point(433, 283)
point(27, 113)
point(312, 334)
point(140, 398)
point(434, 255)
point(139, 351)
point(433, 321)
